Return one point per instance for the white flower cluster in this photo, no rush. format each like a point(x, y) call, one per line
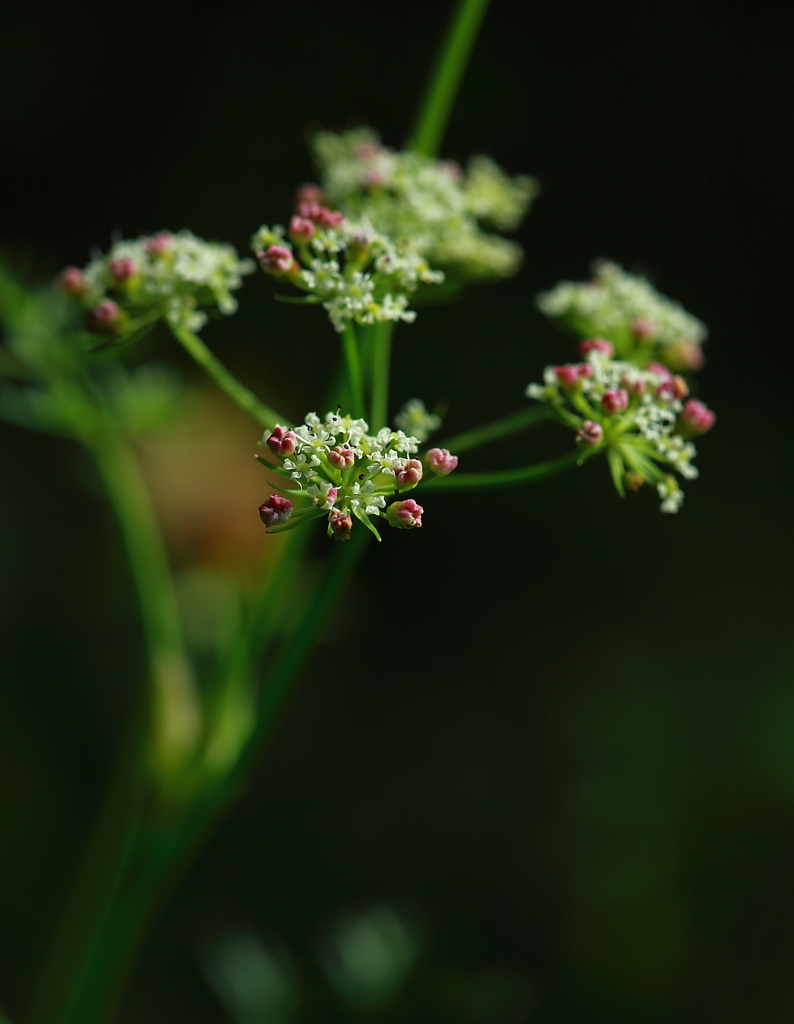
point(628, 311)
point(633, 413)
point(177, 274)
point(432, 205)
point(342, 468)
point(414, 419)
point(356, 272)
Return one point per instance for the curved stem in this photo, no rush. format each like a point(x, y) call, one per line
point(226, 381)
point(512, 424)
point(381, 361)
point(507, 477)
point(445, 78)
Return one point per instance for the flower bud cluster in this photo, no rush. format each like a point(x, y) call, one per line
point(345, 472)
point(637, 416)
point(432, 205)
point(175, 276)
point(414, 419)
point(628, 311)
point(356, 272)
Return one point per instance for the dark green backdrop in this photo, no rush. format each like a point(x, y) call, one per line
point(556, 726)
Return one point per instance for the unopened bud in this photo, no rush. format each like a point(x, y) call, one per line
point(684, 355)
point(570, 375)
point(680, 388)
point(606, 348)
point(160, 244)
point(282, 442)
point(440, 462)
point(340, 524)
point(276, 260)
point(301, 229)
point(615, 401)
point(695, 418)
point(121, 269)
point(408, 475)
point(275, 510)
point(329, 218)
point(309, 192)
point(72, 281)
point(404, 514)
point(108, 317)
point(589, 433)
point(632, 481)
point(643, 328)
point(341, 457)
point(633, 383)
point(667, 387)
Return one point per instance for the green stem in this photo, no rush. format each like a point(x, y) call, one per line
point(446, 76)
point(353, 366)
point(381, 361)
point(507, 477)
point(512, 424)
point(226, 381)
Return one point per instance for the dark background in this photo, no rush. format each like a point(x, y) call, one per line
point(555, 726)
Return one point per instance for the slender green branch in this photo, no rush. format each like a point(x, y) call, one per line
point(353, 366)
point(446, 76)
point(512, 424)
point(226, 381)
point(381, 362)
point(507, 477)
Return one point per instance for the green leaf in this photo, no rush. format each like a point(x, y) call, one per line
point(617, 469)
point(298, 519)
point(362, 517)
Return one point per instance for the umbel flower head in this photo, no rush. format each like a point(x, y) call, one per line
point(344, 473)
point(354, 271)
point(433, 206)
point(635, 416)
point(628, 311)
point(174, 276)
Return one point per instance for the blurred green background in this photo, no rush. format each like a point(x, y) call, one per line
point(542, 765)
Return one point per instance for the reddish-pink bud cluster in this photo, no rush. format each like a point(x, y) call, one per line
point(672, 386)
point(122, 269)
point(275, 510)
point(615, 401)
point(695, 418)
point(606, 348)
point(408, 475)
point(320, 214)
point(301, 229)
point(277, 260)
point(405, 515)
point(160, 243)
point(72, 281)
point(309, 192)
point(282, 442)
point(589, 433)
point(570, 375)
point(340, 523)
point(341, 457)
point(635, 385)
point(106, 317)
point(440, 462)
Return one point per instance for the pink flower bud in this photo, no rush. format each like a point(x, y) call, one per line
point(309, 192)
point(408, 475)
point(106, 318)
point(277, 260)
point(615, 401)
point(404, 514)
point(680, 388)
point(606, 348)
point(643, 328)
point(275, 510)
point(570, 375)
point(282, 442)
point(122, 269)
point(300, 229)
point(340, 524)
point(329, 218)
point(440, 462)
point(635, 385)
point(341, 457)
point(160, 244)
point(589, 433)
point(667, 388)
point(695, 418)
point(72, 281)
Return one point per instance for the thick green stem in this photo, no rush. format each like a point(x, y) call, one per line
point(353, 365)
point(506, 477)
point(226, 381)
point(512, 424)
point(381, 362)
point(446, 76)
